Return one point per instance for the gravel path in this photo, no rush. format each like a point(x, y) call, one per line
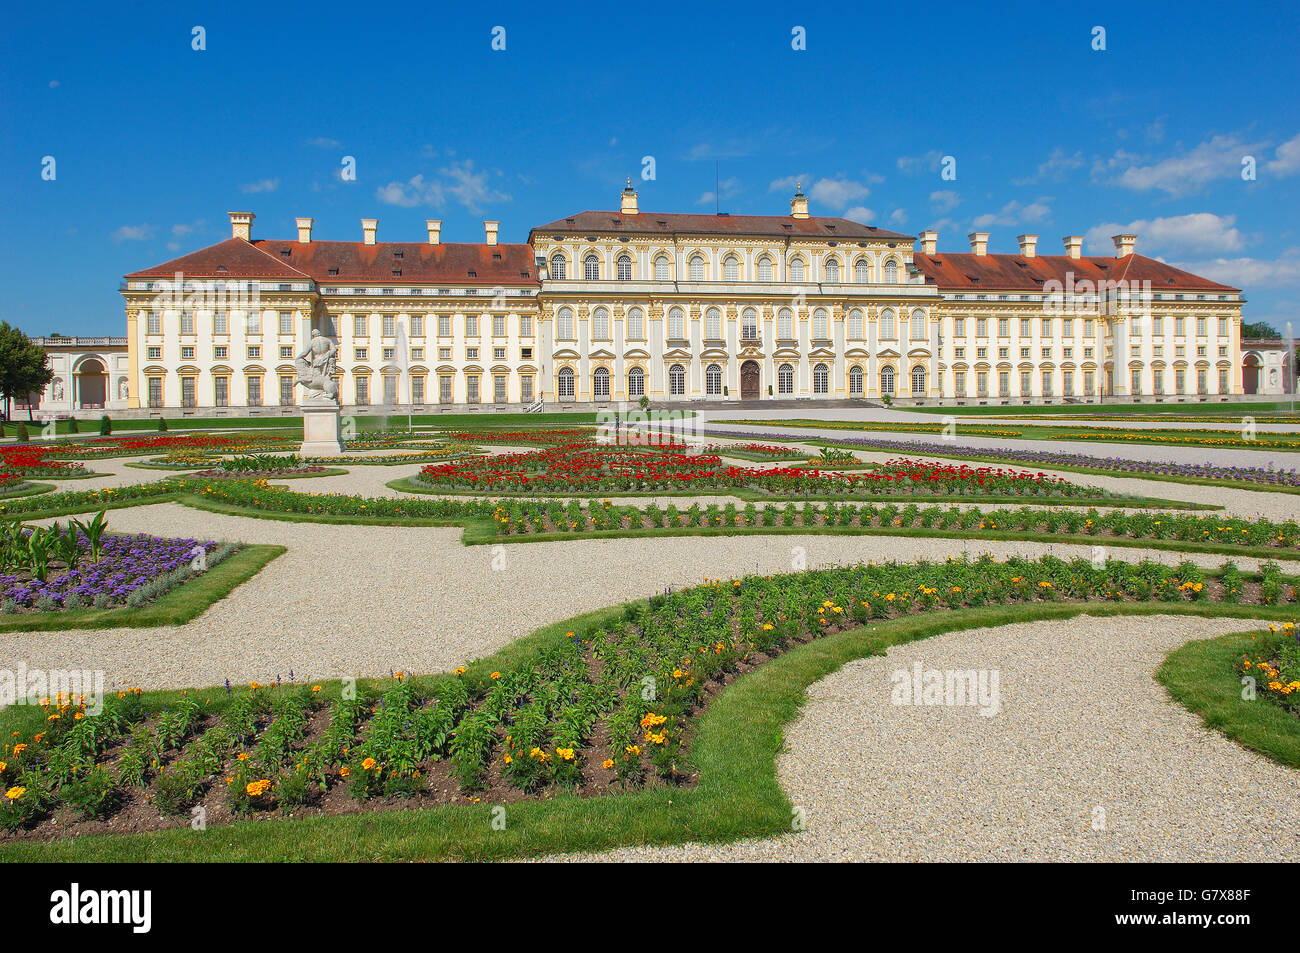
point(1082, 726)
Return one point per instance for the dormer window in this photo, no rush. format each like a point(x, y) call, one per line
point(399, 253)
point(397, 272)
point(285, 252)
point(473, 274)
point(334, 271)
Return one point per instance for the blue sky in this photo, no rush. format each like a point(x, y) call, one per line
point(154, 142)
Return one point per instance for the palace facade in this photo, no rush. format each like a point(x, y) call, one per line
point(606, 307)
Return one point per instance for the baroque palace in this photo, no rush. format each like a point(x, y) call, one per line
point(607, 307)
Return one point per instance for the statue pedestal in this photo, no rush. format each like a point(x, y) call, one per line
point(322, 434)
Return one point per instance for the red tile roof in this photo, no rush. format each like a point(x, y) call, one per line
point(668, 223)
point(357, 262)
point(965, 271)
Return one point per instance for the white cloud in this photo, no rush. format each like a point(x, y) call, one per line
point(914, 164)
point(1058, 165)
point(324, 142)
point(726, 188)
point(1280, 272)
point(134, 233)
point(944, 201)
point(729, 149)
point(1193, 233)
point(261, 185)
point(469, 186)
point(834, 193)
point(1287, 161)
point(1016, 213)
point(860, 213)
point(414, 191)
point(898, 216)
point(789, 183)
point(1217, 158)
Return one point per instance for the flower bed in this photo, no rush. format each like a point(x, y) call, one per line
point(1274, 667)
point(604, 709)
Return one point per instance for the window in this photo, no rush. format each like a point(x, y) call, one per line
point(1004, 383)
point(624, 268)
point(1223, 380)
point(154, 352)
point(981, 327)
point(600, 324)
point(390, 353)
point(1200, 327)
point(1135, 380)
point(676, 331)
point(286, 390)
point(959, 383)
point(1089, 382)
point(887, 380)
point(360, 353)
point(1047, 327)
point(153, 322)
point(677, 380)
point(187, 392)
point(558, 266)
point(1004, 327)
point(155, 392)
point(697, 268)
point(525, 325)
point(862, 271)
point(526, 388)
point(221, 391)
point(636, 382)
point(444, 388)
point(187, 322)
point(286, 322)
point(1067, 383)
point(471, 354)
point(417, 354)
point(663, 268)
point(254, 352)
point(359, 322)
point(1047, 383)
point(1087, 327)
point(765, 269)
point(891, 272)
point(417, 325)
point(820, 331)
point(444, 325)
point(785, 324)
point(390, 390)
point(286, 352)
point(713, 380)
point(498, 354)
point(918, 381)
point(499, 391)
point(219, 323)
point(591, 268)
point(187, 353)
point(821, 379)
point(1200, 381)
point(1026, 329)
point(855, 325)
point(635, 324)
point(498, 325)
point(749, 324)
point(785, 379)
point(1158, 325)
point(254, 392)
point(471, 325)
point(1026, 384)
point(855, 381)
point(444, 354)
point(1223, 327)
point(796, 269)
point(471, 388)
point(362, 390)
point(918, 325)
point(1067, 327)
point(713, 324)
point(731, 268)
point(887, 330)
point(417, 390)
point(218, 353)
point(565, 383)
point(564, 325)
point(832, 271)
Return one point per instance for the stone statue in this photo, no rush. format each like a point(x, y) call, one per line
point(58, 388)
point(123, 390)
point(316, 365)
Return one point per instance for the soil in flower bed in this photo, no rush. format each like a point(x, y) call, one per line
point(219, 474)
point(582, 700)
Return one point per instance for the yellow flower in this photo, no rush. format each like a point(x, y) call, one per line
point(459, 670)
point(14, 794)
point(496, 675)
point(369, 764)
point(257, 788)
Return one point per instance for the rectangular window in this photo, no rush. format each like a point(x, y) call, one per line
point(525, 325)
point(360, 353)
point(1223, 327)
point(286, 390)
point(1180, 381)
point(1026, 384)
point(444, 389)
point(499, 388)
point(389, 322)
point(362, 390)
point(187, 322)
point(526, 388)
point(187, 353)
point(254, 324)
point(959, 327)
point(1157, 325)
point(1004, 327)
point(981, 327)
point(1047, 383)
point(286, 353)
point(417, 325)
point(498, 325)
point(1135, 381)
point(1223, 380)
point(444, 325)
point(187, 392)
point(1200, 327)
point(219, 352)
point(1047, 327)
point(471, 325)
point(1200, 381)
point(1089, 382)
point(390, 390)
point(1067, 383)
point(471, 354)
point(153, 322)
point(255, 392)
point(221, 391)
point(417, 390)
point(417, 354)
point(390, 353)
point(1067, 327)
point(286, 322)
point(359, 325)
point(1004, 384)
point(471, 389)
point(1025, 328)
point(444, 354)
point(498, 354)
point(155, 392)
point(1087, 327)
point(1180, 326)
point(219, 322)
point(959, 383)
point(155, 353)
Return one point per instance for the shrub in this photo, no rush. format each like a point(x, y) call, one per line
point(105, 426)
point(72, 425)
point(22, 435)
point(162, 424)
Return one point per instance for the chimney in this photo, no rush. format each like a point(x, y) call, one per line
point(241, 225)
point(435, 226)
point(368, 228)
point(1073, 245)
point(304, 231)
point(929, 242)
point(1124, 244)
point(629, 199)
point(799, 204)
point(1028, 245)
point(490, 230)
point(979, 243)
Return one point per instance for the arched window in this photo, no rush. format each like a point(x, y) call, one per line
point(559, 267)
point(832, 270)
point(891, 272)
point(677, 380)
point(591, 268)
point(820, 331)
point(887, 331)
point(918, 325)
point(564, 325)
point(765, 269)
point(785, 379)
point(565, 383)
point(887, 380)
point(731, 268)
point(624, 267)
point(697, 268)
point(855, 381)
point(713, 380)
point(600, 325)
point(785, 324)
point(749, 324)
point(821, 379)
point(862, 271)
point(600, 384)
point(918, 381)
point(636, 382)
point(796, 269)
point(663, 268)
point(676, 330)
point(713, 324)
point(855, 325)
point(635, 324)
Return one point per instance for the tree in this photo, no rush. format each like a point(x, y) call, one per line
point(24, 366)
point(1260, 329)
